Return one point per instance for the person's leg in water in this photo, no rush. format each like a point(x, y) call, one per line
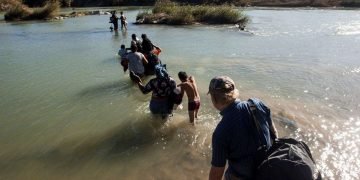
point(116, 26)
point(192, 116)
point(197, 109)
point(192, 107)
point(123, 25)
point(135, 77)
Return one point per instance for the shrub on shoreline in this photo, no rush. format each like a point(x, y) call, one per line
point(175, 14)
point(22, 12)
point(50, 10)
point(7, 4)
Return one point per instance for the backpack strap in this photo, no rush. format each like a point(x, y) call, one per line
point(256, 122)
point(254, 111)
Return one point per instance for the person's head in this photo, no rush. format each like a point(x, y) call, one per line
point(223, 91)
point(160, 71)
point(122, 46)
point(133, 36)
point(121, 12)
point(182, 76)
point(143, 36)
point(133, 48)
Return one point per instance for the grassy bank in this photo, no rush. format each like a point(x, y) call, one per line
point(167, 12)
point(22, 12)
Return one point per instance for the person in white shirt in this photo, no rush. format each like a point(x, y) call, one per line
point(136, 62)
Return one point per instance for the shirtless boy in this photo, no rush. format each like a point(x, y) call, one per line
point(188, 85)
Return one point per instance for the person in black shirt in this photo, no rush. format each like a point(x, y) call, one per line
point(147, 45)
point(114, 20)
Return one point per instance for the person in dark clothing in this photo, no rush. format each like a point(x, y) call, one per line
point(235, 139)
point(114, 20)
point(161, 87)
point(136, 41)
point(147, 45)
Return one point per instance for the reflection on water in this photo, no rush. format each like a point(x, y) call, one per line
point(352, 28)
point(68, 111)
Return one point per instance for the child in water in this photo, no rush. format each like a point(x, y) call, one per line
point(188, 85)
point(122, 53)
point(123, 21)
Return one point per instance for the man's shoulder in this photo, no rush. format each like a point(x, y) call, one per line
point(184, 84)
point(259, 104)
point(139, 54)
point(236, 107)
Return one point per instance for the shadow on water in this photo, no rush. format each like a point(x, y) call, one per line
point(129, 139)
point(113, 60)
point(119, 141)
point(106, 89)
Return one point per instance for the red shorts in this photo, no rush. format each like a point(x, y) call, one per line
point(194, 105)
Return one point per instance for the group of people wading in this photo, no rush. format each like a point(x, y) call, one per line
point(143, 60)
point(245, 125)
point(115, 21)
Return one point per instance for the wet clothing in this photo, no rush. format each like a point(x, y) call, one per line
point(114, 20)
point(134, 78)
point(159, 106)
point(147, 46)
point(153, 60)
point(193, 105)
point(161, 89)
point(136, 62)
point(136, 42)
point(122, 20)
point(236, 139)
point(122, 53)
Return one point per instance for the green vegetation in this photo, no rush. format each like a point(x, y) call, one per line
point(22, 12)
point(7, 4)
point(167, 12)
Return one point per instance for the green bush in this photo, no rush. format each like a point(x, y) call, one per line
point(165, 6)
point(221, 15)
point(21, 12)
point(17, 12)
point(186, 14)
point(50, 10)
point(181, 17)
point(142, 15)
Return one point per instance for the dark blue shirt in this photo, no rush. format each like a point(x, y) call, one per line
point(236, 138)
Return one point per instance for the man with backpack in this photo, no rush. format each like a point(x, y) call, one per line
point(235, 139)
point(246, 138)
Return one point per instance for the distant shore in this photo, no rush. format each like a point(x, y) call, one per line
point(7, 4)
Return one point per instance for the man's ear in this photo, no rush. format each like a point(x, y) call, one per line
point(214, 99)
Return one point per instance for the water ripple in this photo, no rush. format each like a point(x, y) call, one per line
point(350, 28)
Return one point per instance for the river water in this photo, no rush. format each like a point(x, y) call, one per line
point(67, 110)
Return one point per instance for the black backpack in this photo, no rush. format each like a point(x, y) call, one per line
point(286, 159)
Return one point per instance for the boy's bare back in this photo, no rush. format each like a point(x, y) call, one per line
point(190, 88)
